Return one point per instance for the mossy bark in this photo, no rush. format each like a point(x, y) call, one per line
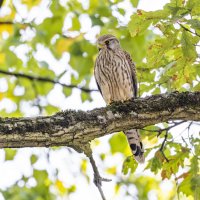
point(76, 128)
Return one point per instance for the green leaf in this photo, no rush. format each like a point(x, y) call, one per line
point(12, 60)
point(31, 3)
point(135, 3)
point(83, 166)
point(10, 153)
point(50, 109)
point(188, 47)
point(29, 91)
point(85, 96)
point(75, 49)
point(88, 48)
point(102, 156)
point(137, 25)
point(174, 163)
point(82, 65)
point(195, 23)
point(96, 20)
point(195, 184)
point(75, 24)
point(49, 28)
point(157, 90)
point(150, 131)
point(142, 20)
point(155, 15)
point(67, 91)
point(118, 143)
point(44, 89)
point(58, 10)
point(155, 163)
point(121, 11)
point(193, 6)
point(176, 8)
point(129, 164)
point(185, 186)
point(112, 170)
point(103, 11)
point(72, 189)
point(41, 176)
point(33, 159)
point(132, 44)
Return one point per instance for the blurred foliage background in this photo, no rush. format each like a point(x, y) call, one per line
point(47, 55)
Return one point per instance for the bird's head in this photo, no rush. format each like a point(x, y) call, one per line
point(108, 41)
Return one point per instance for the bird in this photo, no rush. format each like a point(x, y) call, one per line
point(115, 75)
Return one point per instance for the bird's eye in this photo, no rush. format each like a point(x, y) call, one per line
point(99, 49)
point(107, 42)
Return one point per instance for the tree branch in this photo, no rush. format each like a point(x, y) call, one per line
point(164, 129)
point(1, 3)
point(6, 22)
point(162, 146)
point(77, 128)
point(185, 28)
point(97, 178)
point(45, 79)
point(165, 136)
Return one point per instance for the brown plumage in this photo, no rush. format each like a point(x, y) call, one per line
point(115, 75)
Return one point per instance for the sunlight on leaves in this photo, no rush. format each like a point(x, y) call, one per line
point(10, 154)
point(129, 164)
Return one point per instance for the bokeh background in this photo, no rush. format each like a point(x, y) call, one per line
point(47, 54)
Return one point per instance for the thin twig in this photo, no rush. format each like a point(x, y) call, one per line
point(97, 178)
point(182, 132)
point(6, 22)
point(162, 146)
point(45, 79)
point(165, 137)
point(185, 28)
point(184, 141)
point(164, 129)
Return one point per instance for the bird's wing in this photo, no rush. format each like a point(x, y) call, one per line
point(97, 79)
point(133, 72)
point(99, 88)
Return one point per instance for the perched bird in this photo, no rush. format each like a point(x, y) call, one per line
point(116, 79)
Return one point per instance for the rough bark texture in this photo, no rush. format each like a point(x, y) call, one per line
point(76, 128)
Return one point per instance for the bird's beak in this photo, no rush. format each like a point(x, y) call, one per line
point(101, 45)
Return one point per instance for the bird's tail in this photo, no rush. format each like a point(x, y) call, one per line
point(135, 144)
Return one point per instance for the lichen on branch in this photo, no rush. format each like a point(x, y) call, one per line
point(77, 128)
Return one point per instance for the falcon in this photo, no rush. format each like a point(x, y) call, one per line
point(115, 74)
